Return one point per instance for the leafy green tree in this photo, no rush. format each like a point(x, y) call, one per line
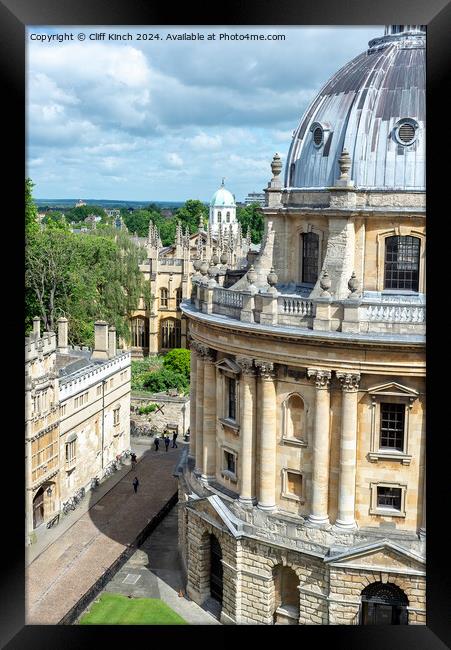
point(31, 211)
point(165, 379)
point(178, 360)
point(80, 213)
point(189, 214)
point(251, 217)
point(138, 221)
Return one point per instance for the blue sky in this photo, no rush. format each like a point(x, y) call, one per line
point(166, 120)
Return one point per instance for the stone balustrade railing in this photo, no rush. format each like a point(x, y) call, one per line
point(386, 313)
point(228, 297)
point(296, 306)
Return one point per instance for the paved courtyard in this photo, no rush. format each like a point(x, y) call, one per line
point(68, 559)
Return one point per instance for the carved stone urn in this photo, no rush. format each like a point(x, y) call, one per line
point(325, 284)
point(353, 283)
point(344, 163)
point(251, 275)
point(272, 277)
point(276, 165)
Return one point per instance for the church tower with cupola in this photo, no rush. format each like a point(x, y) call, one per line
point(223, 212)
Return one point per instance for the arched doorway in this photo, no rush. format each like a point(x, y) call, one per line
point(216, 570)
point(384, 604)
point(38, 508)
point(286, 594)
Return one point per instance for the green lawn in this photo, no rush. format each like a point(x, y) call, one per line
point(115, 609)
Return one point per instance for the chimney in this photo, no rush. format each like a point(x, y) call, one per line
point(37, 327)
point(112, 342)
point(100, 352)
point(62, 335)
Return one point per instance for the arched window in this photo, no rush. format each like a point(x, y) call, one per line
point(384, 604)
point(286, 594)
point(178, 297)
point(140, 332)
point(170, 334)
point(163, 297)
point(402, 263)
point(292, 168)
point(219, 216)
point(228, 217)
point(310, 257)
point(293, 417)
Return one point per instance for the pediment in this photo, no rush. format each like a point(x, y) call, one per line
point(214, 510)
point(381, 556)
point(228, 365)
point(393, 389)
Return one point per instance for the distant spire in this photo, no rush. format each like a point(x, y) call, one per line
point(223, 179)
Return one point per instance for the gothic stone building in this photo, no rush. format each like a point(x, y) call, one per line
point(161, 326)
point(302, 499)
point(77, 416)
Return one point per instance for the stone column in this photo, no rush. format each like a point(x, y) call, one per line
point(248, 407)
point(267, 437)
point(422, 531)
point(348, 449)
point(199, 414)
point(319, 514)
point(209, 426)
point(192, 407)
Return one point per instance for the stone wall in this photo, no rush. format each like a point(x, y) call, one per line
point(176, 410)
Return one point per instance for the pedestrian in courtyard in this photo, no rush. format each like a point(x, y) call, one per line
point(174, 438)
point(156, 442)
point(133, 457)
point(135, 484)
point(166, 441)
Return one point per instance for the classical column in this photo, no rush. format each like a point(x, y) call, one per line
point(209, 426)
point(199, 414)
point(192, 400)
point(319, 514)
point(267, 438)
point(247, 430)
point(348, 449)
point(422, 531)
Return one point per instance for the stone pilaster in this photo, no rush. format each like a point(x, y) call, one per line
point(267, 435)
point(247, 430)
point(199, 414)
point(348, 450)
point(422, 531)
point(319, 514)
point(209, 415)
point(192, 412)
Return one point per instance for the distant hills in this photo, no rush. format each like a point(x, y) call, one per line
point(105, 203)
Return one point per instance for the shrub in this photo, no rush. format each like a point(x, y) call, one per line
point(164, 379)
point(178, 360)
point(149, 408)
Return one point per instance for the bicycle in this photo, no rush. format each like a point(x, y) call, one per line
point(81, 493)
point(68, 505)
point(53, 521)
point(95, 482)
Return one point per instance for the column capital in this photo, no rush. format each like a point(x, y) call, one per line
point(322, 377)
point(349, 380)
point(207, 354)
point(247, 365)
point(266, 368)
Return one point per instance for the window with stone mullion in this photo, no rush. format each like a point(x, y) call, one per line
point(402, 257)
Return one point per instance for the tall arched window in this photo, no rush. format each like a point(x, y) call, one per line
point(163, 297)
point(178, 297)
point(140, 333)
point(228, 217)
point(310, 255)
point(170, 334)
point(384, 604)
point(402, 263)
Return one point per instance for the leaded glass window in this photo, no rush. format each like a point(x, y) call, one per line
point(310, 254)
point(402, 263)
point(392, 426)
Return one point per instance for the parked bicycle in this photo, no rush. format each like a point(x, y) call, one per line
point(53, 521)
point(81, 493)
point(95, 482)
point(68, 505)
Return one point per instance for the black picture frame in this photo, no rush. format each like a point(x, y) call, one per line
point(15, 15)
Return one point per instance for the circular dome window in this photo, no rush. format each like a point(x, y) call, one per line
point(318, 136)
point(405, 132)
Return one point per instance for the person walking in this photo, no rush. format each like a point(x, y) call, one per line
point(156, 442)
point(174, 438)
point(166, 441)
point(133, 457)
point(135, 484)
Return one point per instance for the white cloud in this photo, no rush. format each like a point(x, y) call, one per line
point(174, 160)
point(204, 141)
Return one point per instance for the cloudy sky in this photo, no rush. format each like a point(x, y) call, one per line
point(166, 120)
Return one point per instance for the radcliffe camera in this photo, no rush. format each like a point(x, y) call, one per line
point(225, 329)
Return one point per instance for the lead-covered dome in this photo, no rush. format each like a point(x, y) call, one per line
point(222, 198)
point(375, 108)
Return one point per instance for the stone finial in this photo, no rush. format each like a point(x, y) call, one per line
point(344, 162)
point(204, 267)
point(272, 277)
point(224, 257)
point(325, 284)
point(214, 258)
point(201, 222)
point(276, 165)
point(251, 275)
point(353, 284)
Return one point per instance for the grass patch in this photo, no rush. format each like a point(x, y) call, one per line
point(116, 609)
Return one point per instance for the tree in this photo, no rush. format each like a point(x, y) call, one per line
point(190, 213)
point(251, 217)
point(31, 211)
point(179, 361)
point(80, 213)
